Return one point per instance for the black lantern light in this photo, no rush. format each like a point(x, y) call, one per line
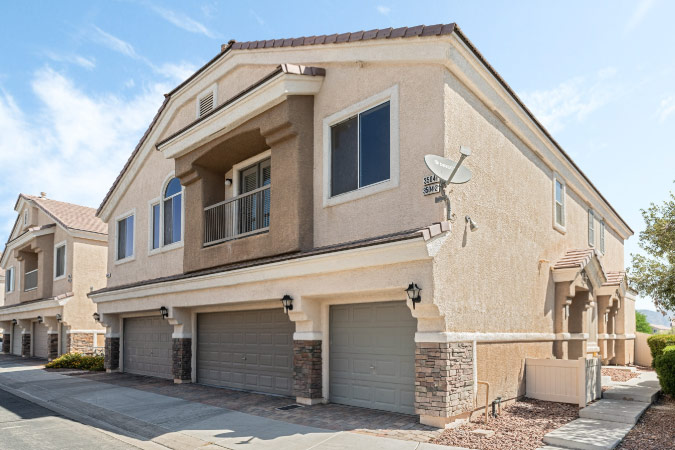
point(414, 293)
point(96, 316)
point(287, 301)
point(39, 319)
point(14, 321)
point(164, 312)
point(58, 317)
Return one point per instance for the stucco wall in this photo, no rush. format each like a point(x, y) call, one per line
point(89, 268)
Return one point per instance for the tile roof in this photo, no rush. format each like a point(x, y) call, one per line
point(68, 215)
point(614, 278)
point(575, 258)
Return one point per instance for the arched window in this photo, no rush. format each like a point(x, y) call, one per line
point(172, 211)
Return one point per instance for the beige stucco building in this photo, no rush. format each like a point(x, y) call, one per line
point(55, 255)
point(294, 169)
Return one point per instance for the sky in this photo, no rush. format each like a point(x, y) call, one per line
point(81, 80)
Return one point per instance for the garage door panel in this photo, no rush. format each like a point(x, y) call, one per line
point(372, 354)
point(147, 346)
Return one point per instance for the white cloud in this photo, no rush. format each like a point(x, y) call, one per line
point(639, 14)
point(114, 43)
point(184, 22)
point(73, 146)
point(78, 60)
point(666, 108)
point(384, 10)
point(573, 99)
point(178, 72)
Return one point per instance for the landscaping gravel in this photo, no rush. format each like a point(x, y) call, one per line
point(655, 429)
point(521, 426)
point(619, 375)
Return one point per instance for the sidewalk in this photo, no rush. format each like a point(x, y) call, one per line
point(152, 421)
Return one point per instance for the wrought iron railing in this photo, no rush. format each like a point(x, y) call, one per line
point(30, 280)
point(236, 217)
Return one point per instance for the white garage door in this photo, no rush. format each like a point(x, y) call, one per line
point(147, 346)
point(40, 341)
point(251, 350)
point(15, 341)
point(372, 356)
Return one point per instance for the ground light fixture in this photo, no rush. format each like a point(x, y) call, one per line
point(96, 316)
point(164, 312)
point(287, 301)
point(413, 292)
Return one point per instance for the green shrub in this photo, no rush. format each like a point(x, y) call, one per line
point(665, 369)
point(658, 342)
point(77, 361)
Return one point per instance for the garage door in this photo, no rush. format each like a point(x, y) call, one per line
point(251, 350)
point(40, 347)
point(147, 346)
point(372, 356)
point(15, 341)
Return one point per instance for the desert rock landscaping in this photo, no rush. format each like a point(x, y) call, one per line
point(619, 375)
point(655, 429)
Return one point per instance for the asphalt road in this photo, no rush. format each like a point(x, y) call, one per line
point(25, 425)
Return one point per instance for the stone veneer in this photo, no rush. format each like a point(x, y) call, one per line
point(6, 343)
point(112, 353)
point(307, 375)
point(182, 360)
point(25, 345)
point(443, 380)
point(80, 342)
point(53, 342)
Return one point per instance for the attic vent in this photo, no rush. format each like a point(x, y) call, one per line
point(206, 103)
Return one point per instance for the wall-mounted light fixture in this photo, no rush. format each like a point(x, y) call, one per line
point(58, 317)
point(228, 182)
point(413, 292)
point(473, 226)
point(14, 321)
point(287, 301)
point(164, 312)
point(96, 316)
point(39, 319)
point(108, 275)
point(70, 278)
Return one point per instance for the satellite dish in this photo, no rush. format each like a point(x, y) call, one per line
point(448, 170)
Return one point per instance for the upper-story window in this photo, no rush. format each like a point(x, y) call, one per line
point(558, 203)
point(125, 237)
point(591, 228)
point(360, 149)
point(167, 216)
point(60, 261)
point(602, 236)
point(9, 280)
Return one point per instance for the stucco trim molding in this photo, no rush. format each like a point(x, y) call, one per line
point(29, 307)
point(441, 337)
point(308, 336)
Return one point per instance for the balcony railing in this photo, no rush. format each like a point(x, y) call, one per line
point(237, 217)
point(30, 280)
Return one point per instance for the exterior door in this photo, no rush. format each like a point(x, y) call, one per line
point(147, 347)
point(372, 356)
point(16, 340)
point(254, 210)
point(40, 341)
point(251, 350)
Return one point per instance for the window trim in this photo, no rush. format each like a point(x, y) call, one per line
point(557, 226)
point(389, 95)
point(63, 244)
point(160, 200)
point(10, 287)
point(591, 227)
point(213, 88)
point(133, 244)
point(25, 217)
point(245, 164)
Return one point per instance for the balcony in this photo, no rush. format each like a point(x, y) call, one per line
point(237, 217)
point(30, 280)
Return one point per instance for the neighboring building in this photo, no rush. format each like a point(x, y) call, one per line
point(55, 255)
point(293, 169)
point(2, 285)
point(660, 329)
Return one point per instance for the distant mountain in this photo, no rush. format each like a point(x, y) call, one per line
point(655, 318)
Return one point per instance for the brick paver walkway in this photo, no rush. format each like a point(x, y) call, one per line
point(330, 416)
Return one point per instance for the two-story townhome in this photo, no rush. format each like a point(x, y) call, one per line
point(55, 255)
point(269, 231)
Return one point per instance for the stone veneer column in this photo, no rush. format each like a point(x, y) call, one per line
point(112, 354)
point(307, 373)
point(6, 343)
point(182, 360)
point(25, 345)
point(53, 342)
point(443, 381)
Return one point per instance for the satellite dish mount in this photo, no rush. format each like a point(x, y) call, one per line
point(449, 172)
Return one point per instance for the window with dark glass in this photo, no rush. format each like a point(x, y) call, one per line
point(125, 237)
point(155, 226)
point(9, 280)
point(360, 150)
point(254, 209)
point(60, 269)
point(172, 212)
